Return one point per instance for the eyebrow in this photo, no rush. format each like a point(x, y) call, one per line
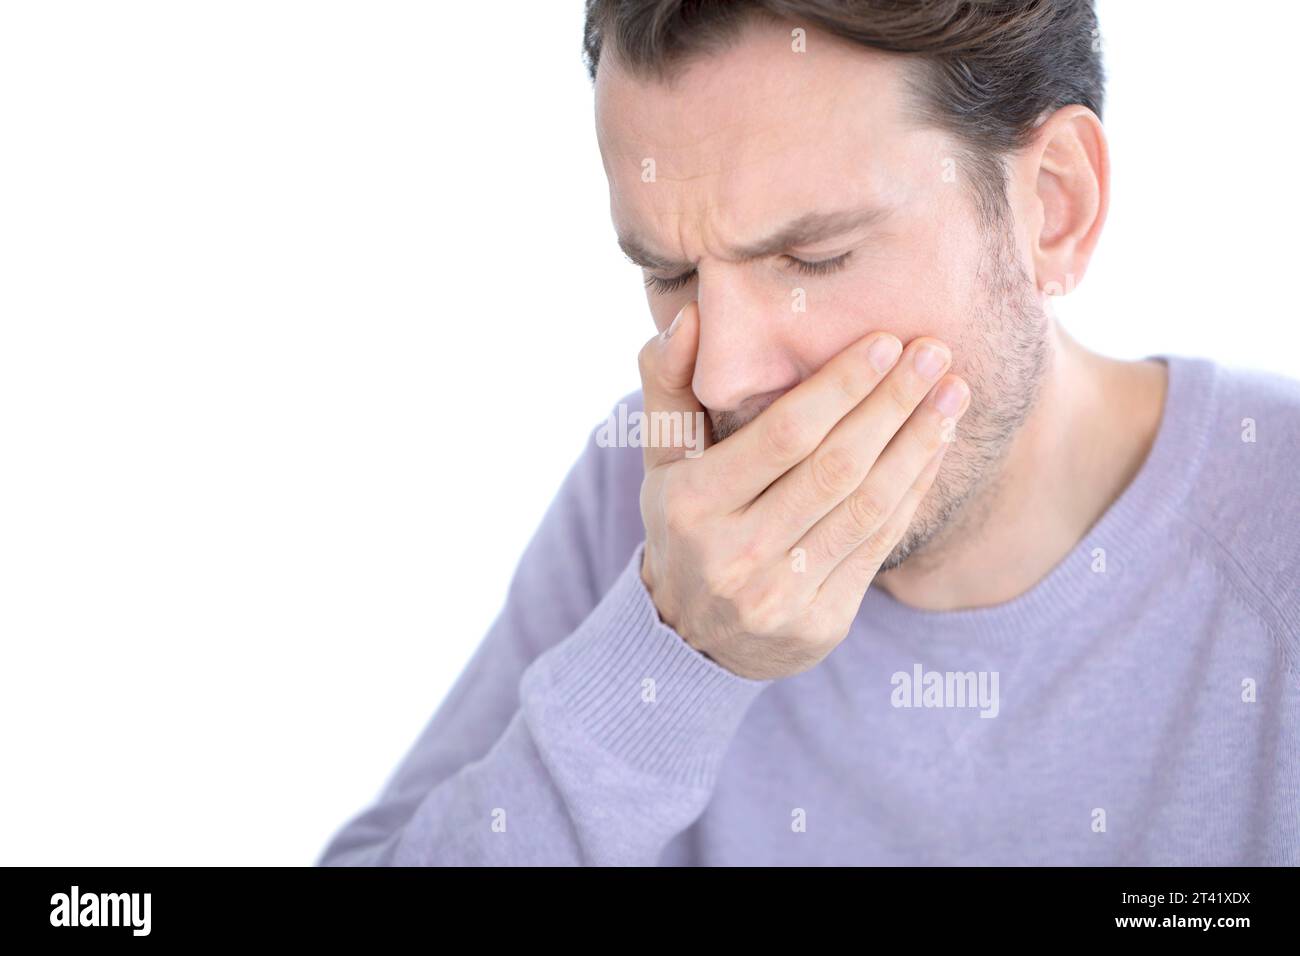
point(807, 230)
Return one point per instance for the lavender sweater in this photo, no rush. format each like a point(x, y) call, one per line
point(1140, 705)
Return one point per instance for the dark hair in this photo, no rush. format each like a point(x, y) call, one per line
point(990, 68)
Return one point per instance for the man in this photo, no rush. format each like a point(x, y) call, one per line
point(938, 585)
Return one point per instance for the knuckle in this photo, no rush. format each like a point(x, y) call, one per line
point(763, 610)
point(848, 385)
point(834, 470)
point(783, 437)
point(878, 544)
point(749, 553)
point(866, 509)
point(724, 581)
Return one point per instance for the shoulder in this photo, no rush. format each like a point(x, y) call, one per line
point(1244, 495)
point(1245, 487)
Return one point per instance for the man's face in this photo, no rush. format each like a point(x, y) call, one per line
point(754, 140)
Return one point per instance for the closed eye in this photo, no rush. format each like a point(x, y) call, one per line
point(820, 268)
point(665, 286)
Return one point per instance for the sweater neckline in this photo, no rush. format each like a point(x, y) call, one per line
point(1154, 495)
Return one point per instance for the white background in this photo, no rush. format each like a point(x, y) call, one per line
point(307, 307)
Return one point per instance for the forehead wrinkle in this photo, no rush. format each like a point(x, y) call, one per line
point(805, 230)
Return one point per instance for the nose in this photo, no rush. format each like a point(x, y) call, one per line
point(745, 356)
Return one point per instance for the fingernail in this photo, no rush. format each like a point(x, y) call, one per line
point(884, 352)
point(668, 332)
point(930, 360)
point(951, 396)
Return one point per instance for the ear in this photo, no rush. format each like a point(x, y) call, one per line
point(1072, 190)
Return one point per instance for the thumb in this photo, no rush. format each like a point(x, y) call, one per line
point(676, 425)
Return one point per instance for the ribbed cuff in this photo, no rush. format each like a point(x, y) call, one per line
point(639, 691)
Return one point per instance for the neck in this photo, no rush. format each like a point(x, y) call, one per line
point(1082, 444)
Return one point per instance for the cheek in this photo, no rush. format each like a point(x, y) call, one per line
point(927, 292)
point(935, 286)
point(940, 301)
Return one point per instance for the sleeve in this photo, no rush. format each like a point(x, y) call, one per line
point(584, 731)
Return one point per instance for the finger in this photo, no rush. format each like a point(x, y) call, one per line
point(785, 432)
point(839, 465)
point(842, 591)
point(871, 505)
point(675, 424)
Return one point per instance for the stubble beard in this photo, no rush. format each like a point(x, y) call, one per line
point(1004, 361)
